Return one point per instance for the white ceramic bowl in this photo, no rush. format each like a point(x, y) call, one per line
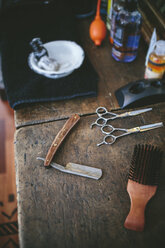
point(68, 54)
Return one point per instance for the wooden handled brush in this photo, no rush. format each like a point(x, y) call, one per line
point(142, 183)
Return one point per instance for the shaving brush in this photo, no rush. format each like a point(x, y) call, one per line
point(97, 29)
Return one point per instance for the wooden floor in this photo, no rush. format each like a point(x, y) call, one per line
point(8, 201)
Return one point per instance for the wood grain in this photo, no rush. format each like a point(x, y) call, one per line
point(71, 122)
point(140, 196)
point(152, 18)
point(8, 198)
point(66, 211)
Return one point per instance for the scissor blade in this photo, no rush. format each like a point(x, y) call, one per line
point(140, 111)
point(150, 126)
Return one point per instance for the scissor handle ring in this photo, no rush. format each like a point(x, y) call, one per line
point(101, 110)
point(104, 121)
point(107, 132)
point(109, 142)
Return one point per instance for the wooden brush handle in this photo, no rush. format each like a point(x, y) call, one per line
point(135, 219)
point(139, 195)
point(60, 137)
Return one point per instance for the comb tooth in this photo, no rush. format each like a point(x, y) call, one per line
point(137, 167)
point(145, 164)
point(132, 171)
point(149, 164)
point(154, 167)
point(142, 163)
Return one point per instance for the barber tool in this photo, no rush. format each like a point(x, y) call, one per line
point(109, 139)
point(142, 183)
point(141, 93)
point(77, 169)
point(104, 115)
point(60, 137)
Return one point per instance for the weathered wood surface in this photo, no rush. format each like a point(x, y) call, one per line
point(66, 211)
point(8, 198)
point(112, 75)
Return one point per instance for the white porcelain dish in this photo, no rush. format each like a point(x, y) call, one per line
point(68, 54)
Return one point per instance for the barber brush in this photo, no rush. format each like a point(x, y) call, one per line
point(142, 183)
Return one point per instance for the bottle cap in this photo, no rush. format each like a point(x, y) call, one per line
point(160, 48)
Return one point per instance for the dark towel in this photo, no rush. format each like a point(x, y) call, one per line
point(49, 22)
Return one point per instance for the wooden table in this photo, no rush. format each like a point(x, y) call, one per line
point(64, 211)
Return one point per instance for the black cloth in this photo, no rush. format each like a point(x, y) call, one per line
point(49, 22)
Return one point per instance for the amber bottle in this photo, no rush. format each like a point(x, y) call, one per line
point(156, 63)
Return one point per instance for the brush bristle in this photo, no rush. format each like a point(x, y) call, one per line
point(145, 164)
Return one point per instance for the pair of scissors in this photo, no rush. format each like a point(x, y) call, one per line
point(109, 139)
point(104, 115)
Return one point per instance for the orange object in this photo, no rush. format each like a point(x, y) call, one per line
point(97, 30)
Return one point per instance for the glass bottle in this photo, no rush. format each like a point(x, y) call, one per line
point(127, 32)
point(41, 56)
point(156, 63)
point(38, 49)
point(103, 7)
point(117, 6)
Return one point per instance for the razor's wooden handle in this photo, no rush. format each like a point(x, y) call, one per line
point(60, 137)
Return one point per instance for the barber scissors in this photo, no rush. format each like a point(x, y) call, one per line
point(109, 139)
point(104, 115)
